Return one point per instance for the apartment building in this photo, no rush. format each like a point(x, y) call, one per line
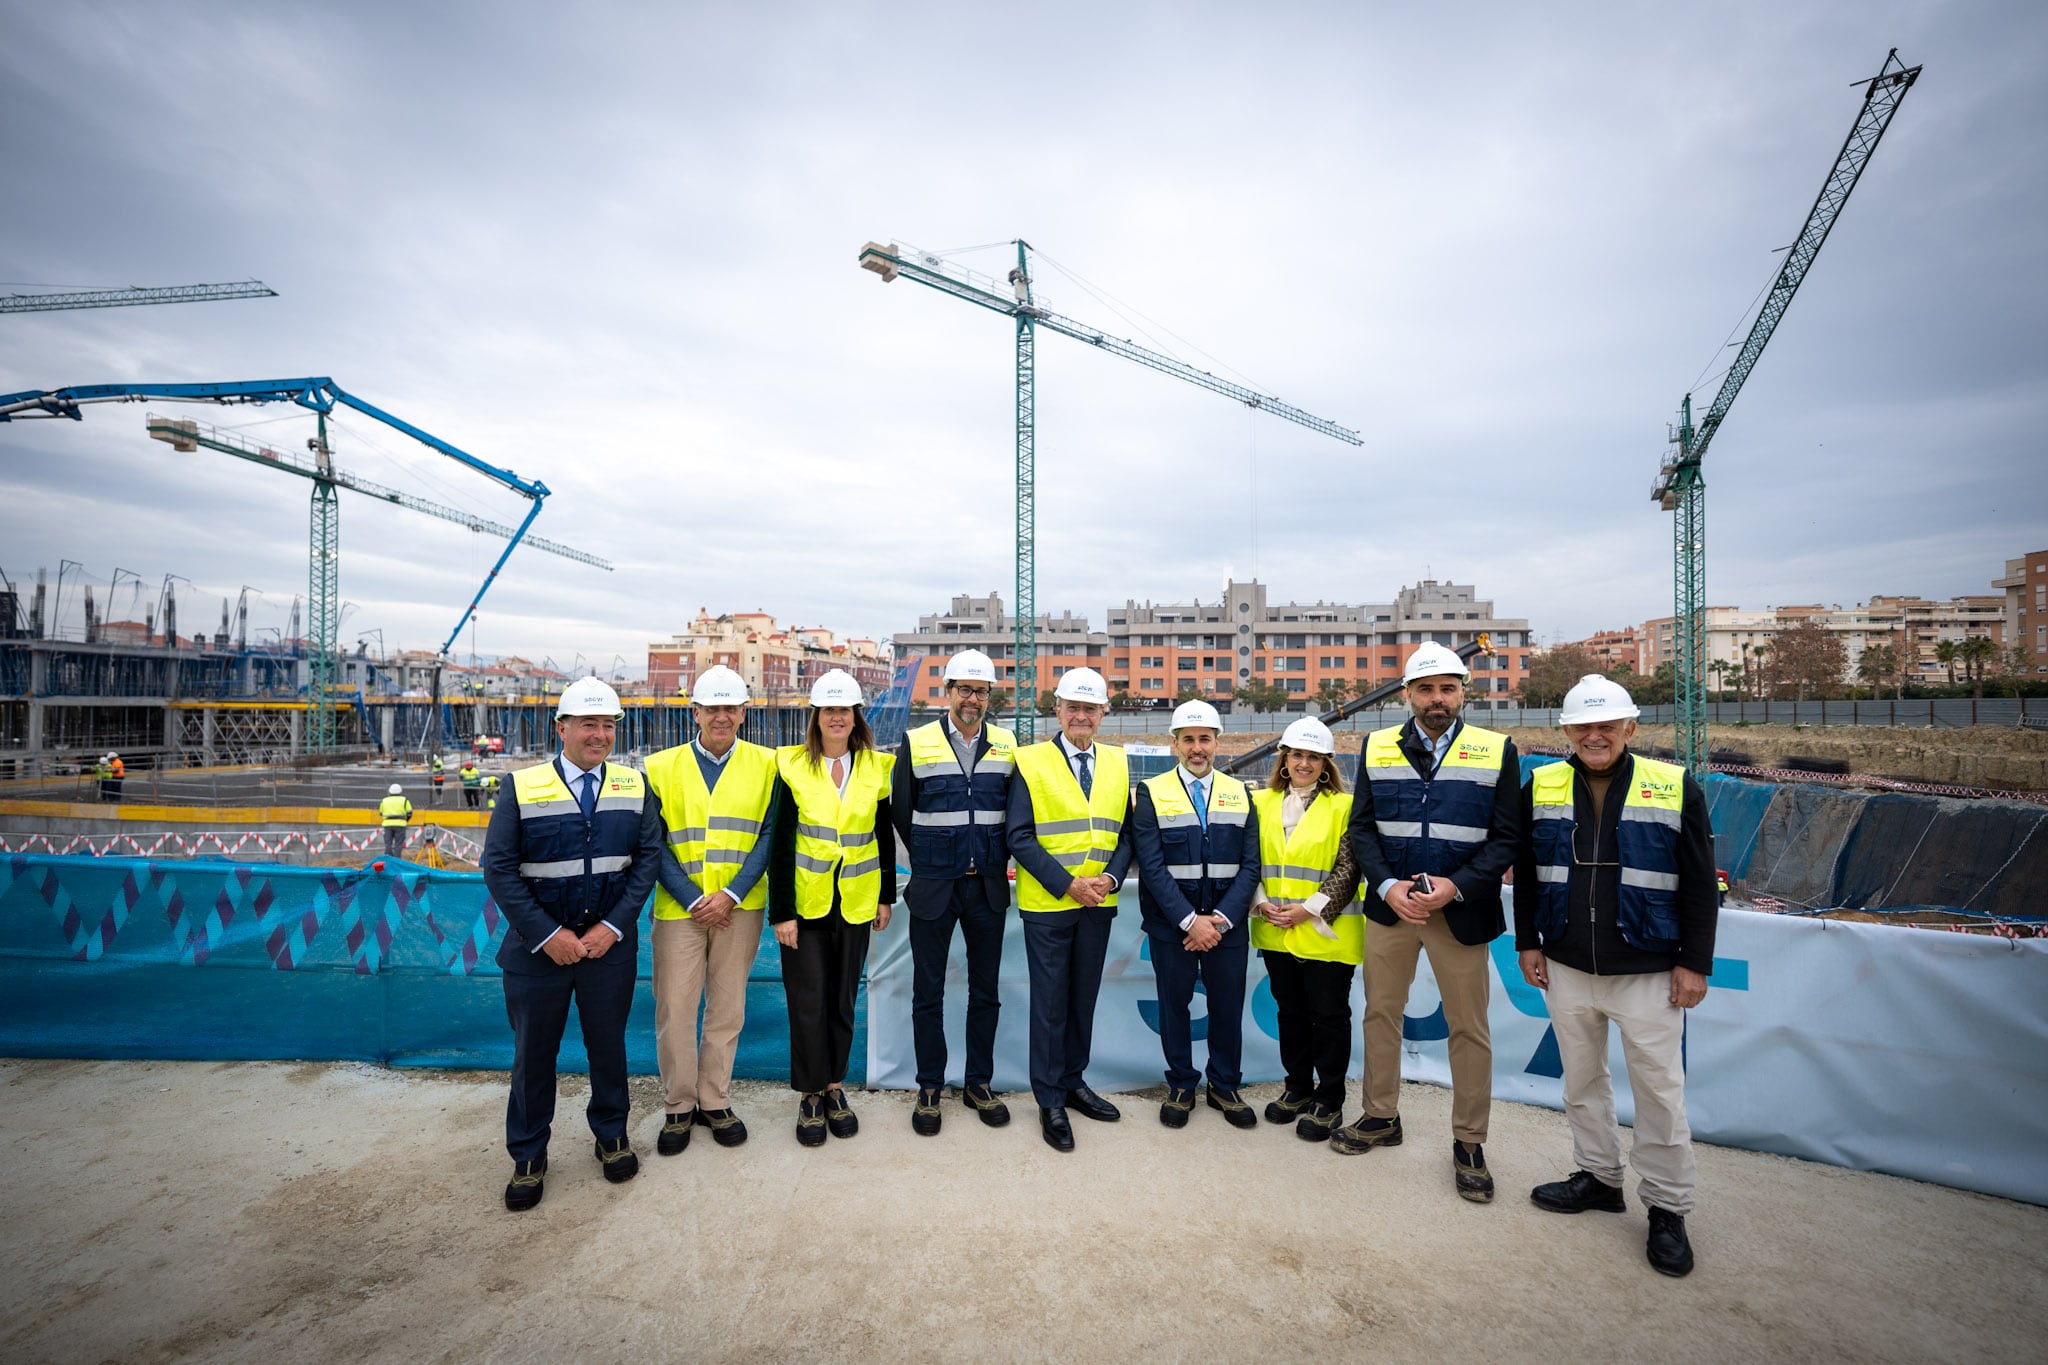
point(1063, 642)
point(2025, 585)
point(779, 663)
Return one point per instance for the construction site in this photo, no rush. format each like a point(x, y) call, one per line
point(255, 1054)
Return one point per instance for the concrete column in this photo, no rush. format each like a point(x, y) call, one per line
point(206, 737)
point(298, 733)
point(387, 724)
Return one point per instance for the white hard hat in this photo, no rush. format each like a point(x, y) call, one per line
point(1083, 684)
point(970, 665)
point(589, 697)
point(719, 686)
point(397, 790)
point(1595, 698)
point(1432, 660)
point(1195, 714)
point(835, 688)
point(1309, 736)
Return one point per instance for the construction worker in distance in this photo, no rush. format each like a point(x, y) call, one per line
point(1311, 947)
point(1615, 910)
point(1196, 839)
point(1436, 822)
point(394, 812)
point(1068, 809)
point(472, 783)
point(718, 805)
point(831, 883)
point(117, 773)
point(103, 777)
point(437, 776)
point(949, 797)
point(491, 791)
point(570, 860)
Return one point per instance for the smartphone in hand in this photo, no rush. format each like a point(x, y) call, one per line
point(1423, 884)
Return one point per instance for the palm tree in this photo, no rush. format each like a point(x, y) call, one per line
point(1976, 652)
point(1879, 662)
point(1945, 653)
point(1720, 668)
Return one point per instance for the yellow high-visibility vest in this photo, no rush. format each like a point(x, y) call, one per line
point(712, 829)
point(395, 810)
point(1292, 867)
point(835, 836)
point(1080, 832)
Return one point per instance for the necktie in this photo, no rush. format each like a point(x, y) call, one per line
point(1087, 777)
point(839, 772)
point(1200, 791)
point(588, 798)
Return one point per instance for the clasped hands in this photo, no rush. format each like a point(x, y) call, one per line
point(1416, 906)
point(565, 948)
point(1092, 891)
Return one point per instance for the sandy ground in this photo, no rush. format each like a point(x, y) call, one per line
point(262, 1212)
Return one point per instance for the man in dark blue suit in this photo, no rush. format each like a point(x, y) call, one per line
point(1197, 841)
point(571, 860)
point(948, 797)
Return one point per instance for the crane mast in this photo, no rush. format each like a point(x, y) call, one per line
point(1680, 488)
point(895, 261)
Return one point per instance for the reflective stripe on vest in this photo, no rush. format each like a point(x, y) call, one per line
point(957, 822)
point(1646, 846)
point(712, 829)
point(1219, 846)
point(1293, 866)
point(574, 866)
point(835, 837)
point(395, 810)
point(1433, 824)
point(1078, 832)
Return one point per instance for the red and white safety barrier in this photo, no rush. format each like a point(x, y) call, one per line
point(172, 844)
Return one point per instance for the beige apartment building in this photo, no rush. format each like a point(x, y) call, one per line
point(779, 663)
point(1063, 642)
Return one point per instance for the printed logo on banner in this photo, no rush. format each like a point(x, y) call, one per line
point(1148, 1010)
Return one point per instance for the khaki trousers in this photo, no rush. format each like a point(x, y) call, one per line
point(1464, 978)
point(1653, 1045)
point(692, 963)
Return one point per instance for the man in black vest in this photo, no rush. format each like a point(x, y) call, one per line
point(947, 799)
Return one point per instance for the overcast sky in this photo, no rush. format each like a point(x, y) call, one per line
point(614, 248)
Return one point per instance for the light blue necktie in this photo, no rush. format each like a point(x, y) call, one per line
point(1200, 791)
point(1087, 778)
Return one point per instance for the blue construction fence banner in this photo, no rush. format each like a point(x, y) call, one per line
point(1878, 1048)
point(205, 960)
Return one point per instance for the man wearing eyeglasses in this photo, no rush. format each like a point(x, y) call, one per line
point(948, 797)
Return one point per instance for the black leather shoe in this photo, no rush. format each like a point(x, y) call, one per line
point(810, 1121)
point(983, 1101)
point(1236, 1112)
point(526, 1187)
point(1579, 1191)
point(1179, 1104)
point(924, 1118)
point(1288, 1107)
point(1468, 1168)
point(726, 1128)
point(620, 1165)
point(1317, 1122)
point(1364, 1134)
point(1058, 1133)
point(675, 1133)
point(1670, 1250)
point(1092, 1106)
point(838, 1116)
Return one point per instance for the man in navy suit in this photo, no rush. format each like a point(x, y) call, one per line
point(570, 861)
point(1197, 841)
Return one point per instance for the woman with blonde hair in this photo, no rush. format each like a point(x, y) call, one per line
point(1310, 948)
point(831, 882)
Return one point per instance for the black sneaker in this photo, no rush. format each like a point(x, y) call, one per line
point(1669, 1248)
point(1316, 1122)
point(1179, 1104)
point(1365, 1134)
point(1288, 1107)
point(620, 1165)
point(810, 1121)
point(983, 1101)
point(675, 1133)
point(924, 1118)
point(838, 1116)
point(526, 1187)
point(1576, 1193)
point(1236, 1112)
point(726, 1128)
point(1468, 1169)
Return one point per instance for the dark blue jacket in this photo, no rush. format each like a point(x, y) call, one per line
point(939, 855)
point(1165, 900)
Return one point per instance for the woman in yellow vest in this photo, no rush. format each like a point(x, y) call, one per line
point(831, 881)
point(1310, 948)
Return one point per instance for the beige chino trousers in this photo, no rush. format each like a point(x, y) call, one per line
point(1464, 977)
point(692, 963)
point(1653, 1046)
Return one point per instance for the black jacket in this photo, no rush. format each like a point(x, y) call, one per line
point(782, 857)
point(928, 897)
point(1592, 940)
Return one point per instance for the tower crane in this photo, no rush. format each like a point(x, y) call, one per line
point(894, 261)
point(1679, 487)
point(320, 396)
point(137, 294)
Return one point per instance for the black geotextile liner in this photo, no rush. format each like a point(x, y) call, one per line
point(1802, 834)
point(1990, 857)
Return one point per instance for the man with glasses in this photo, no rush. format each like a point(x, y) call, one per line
point(948, 799)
